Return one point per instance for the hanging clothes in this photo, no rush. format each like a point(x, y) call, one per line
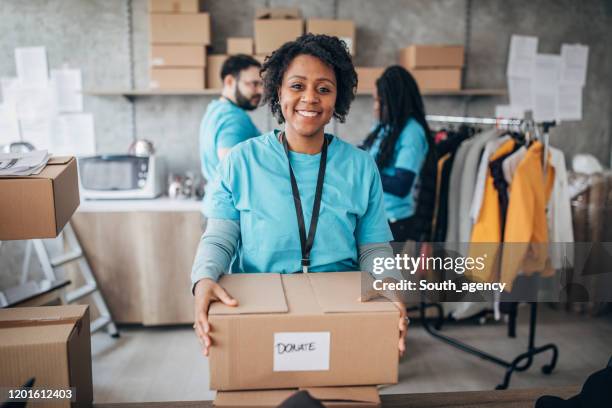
point(468, 183)
point(526, 227)
point(481, 176)
point(511, 163)
point(486, 233)
point(453, 145)
point(560, 228)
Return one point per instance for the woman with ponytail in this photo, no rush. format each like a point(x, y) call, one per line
point(404, 151)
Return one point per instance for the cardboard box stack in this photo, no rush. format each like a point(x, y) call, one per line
point(366, 78)
point(213, 70)
point(301, 334)
point(434, 67)
point(51, 344)
point(240, 45)
point(276, 26)
point(179, 35)
point(343, 29)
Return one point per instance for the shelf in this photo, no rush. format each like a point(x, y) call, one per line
point(131, 93)
point(151, 92)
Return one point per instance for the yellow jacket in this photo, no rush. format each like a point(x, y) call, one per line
point(526, 232)
point(486, 233)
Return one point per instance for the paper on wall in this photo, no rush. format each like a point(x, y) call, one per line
point(574, 64)
point(73, 134)
point(521, 59)
point(9, 125)
point(545, 87)
point(520, 92)
point(37, 131)
point(30, 102)
point(31, 65)
point(569, 104)
point(547, 73)
point(301, 351)
point(509, 112)
point(67, 88)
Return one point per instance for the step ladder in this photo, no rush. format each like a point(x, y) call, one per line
point(50, 264)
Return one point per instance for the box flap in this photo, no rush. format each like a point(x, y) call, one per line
point(256, 293)
point(339, 292)
point(38, 325)
point(275, 13)
point(260, 398)
point(59, 160)
point(352, 394)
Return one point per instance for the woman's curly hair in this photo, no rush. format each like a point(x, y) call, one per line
point(328, 49)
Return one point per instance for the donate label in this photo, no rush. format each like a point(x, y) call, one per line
point(301, 351)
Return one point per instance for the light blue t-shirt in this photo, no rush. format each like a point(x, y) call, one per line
point(254, 187)
point(409, 154)
point(224, 125)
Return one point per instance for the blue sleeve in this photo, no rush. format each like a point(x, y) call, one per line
point(219, 198)
point(373, 227)
point(233, 130)
point(412, 148)
point(400, 184)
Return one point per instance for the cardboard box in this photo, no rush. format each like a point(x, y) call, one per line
point(50, 343)
point(177, 78)
point(331, 397)
point(240, 45)
point(431, 56)
point(438, 79)
point(180, 28)
point(39, 206)
point(261, 58)
point(366, 78)
point(178, 56)
point(301, 330)
point(276, 26)
point(174, 6)
point(214, 63)
point(343, 29)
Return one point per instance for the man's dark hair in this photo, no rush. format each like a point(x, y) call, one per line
point(236, 64)
point(331, 51)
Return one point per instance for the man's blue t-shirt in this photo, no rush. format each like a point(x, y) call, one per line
point(254, 187)
point(409, 154)
point(224, 125)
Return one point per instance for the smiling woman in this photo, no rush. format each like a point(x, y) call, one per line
point(272, 187)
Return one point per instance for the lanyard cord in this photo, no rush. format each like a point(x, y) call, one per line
point(306, 243)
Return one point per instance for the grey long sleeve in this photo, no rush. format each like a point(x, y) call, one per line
point(367, 254)
point(220, 241)
point(216, 249)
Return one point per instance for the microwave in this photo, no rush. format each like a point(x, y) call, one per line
point(121, 177)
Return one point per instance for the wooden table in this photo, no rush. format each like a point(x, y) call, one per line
point(522, 398)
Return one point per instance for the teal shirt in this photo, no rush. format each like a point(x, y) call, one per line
point(409, 154)
point(224, 125)
point(254, 187)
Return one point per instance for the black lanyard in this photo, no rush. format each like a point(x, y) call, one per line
point(306, 243)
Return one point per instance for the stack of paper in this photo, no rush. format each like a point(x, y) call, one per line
point(549, 85)
point(23, 164)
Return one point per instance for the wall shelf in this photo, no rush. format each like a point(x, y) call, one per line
point(133, 93)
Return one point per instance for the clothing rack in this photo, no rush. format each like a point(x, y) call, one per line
point(523, 361)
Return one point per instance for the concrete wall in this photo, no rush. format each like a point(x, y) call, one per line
point(95, 36)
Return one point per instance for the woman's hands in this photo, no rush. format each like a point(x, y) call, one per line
point(207, 291)
point(403, 319)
